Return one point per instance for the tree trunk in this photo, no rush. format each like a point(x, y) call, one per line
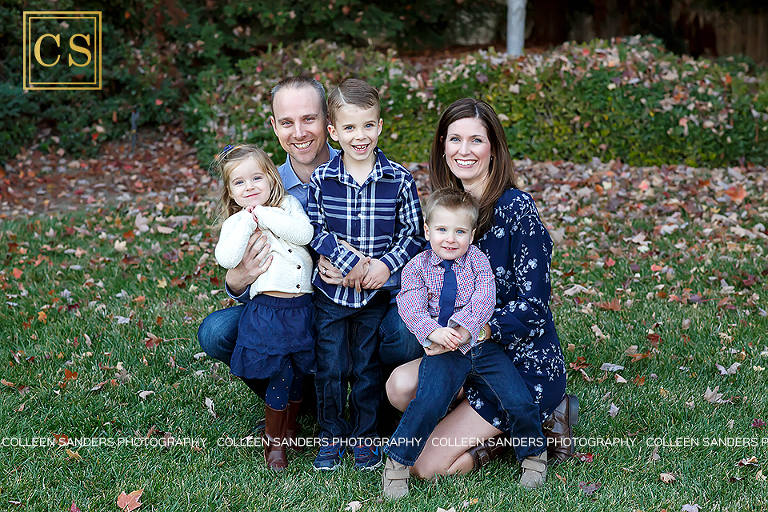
point(515, 26)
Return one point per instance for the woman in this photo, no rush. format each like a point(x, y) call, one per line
point(470, 152)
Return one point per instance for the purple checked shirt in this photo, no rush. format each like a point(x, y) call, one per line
point(422, 281)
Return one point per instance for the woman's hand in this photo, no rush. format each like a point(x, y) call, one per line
point(255, 262)
point(330, 274)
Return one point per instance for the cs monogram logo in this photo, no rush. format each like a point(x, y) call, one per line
point(62, 50)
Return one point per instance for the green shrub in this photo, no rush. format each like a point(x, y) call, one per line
point(628, 100)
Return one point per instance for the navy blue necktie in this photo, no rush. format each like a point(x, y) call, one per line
point(447, 294)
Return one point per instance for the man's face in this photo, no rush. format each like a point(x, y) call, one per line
point(299, 124)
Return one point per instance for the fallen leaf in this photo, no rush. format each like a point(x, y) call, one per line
point(199, 356)
point(758, 423)
point(728, 371)
point(210, 405)
point(353, 506)
point(583, 457)
point(128, 502)
point(712, 396)
point(69, 375)
point(667, 478)
point(620, 379)
point(611, 367)
point(17, 273)
point(151, 341)
point(589, 488)
point(759, 476)
point(690, 508)
point(752, 461)
point(73, 455)
point(74, 508)
point(145, 394)
point(613, 411)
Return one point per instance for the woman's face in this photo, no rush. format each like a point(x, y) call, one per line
point(468, 150)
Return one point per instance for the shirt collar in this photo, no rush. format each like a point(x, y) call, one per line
point(381, 166)
point(435, 260)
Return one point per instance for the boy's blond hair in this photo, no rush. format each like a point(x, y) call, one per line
point(352, 92)
point(452, 199)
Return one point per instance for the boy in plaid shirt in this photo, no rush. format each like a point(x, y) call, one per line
point(358, 199)
point(447, 297)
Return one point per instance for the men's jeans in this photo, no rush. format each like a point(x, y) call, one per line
point(217, 333)
point(440, 379)
point(398, 345)
point(346, 354)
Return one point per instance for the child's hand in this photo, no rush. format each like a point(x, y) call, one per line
point(252, 210)
point(356, 275)
point(377, 275)
point(446, 337)
point(466, 337)
point(435, 349)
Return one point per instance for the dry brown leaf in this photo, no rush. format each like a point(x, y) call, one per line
point(667, 478)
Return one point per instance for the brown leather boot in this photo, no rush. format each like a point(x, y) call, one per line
point(558, 429)
point(491, 449)
point(273, 439)
point(291, 427)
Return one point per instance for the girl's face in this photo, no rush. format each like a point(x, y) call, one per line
point(248, 184)
point(468, 150)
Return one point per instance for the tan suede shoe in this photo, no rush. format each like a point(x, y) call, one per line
point(534, 471)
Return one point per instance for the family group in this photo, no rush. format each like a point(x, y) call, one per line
point(350, 292)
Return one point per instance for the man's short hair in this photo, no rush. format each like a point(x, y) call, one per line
point(352, 91)
point(297, 82)
point(452, 199)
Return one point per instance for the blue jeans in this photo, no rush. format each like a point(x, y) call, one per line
point(346, 354)
point(440, 379)
point(397, 345)
point(217, 333)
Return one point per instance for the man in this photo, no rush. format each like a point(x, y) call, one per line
point(299, 120)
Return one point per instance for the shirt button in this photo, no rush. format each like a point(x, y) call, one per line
point(298, 267)
point(290, 250)
point(298, 286)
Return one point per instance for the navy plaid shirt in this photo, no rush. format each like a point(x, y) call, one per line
point(380, 218)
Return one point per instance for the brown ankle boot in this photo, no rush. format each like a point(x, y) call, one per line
point(291, 427)
point(558, 429)
point(273, 439)
point(491, 449)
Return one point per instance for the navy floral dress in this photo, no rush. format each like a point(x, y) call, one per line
point(520, 251)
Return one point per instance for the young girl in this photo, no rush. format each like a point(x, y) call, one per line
point(275, 335)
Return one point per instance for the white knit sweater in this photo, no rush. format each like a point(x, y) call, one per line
point(288, 230)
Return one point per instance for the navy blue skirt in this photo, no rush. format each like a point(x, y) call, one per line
point(272, 330)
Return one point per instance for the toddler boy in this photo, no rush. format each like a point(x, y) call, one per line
point(447, 296)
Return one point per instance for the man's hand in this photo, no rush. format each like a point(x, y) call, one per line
point(255, 262)
point(356, 275)
point(377, 275)
point(445, 337)
point(435, 349)
point(466, 337)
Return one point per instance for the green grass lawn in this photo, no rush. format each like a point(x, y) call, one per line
point(681, 251)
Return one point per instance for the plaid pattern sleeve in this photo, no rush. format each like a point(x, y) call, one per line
point(381, 218)
point(413, 302)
